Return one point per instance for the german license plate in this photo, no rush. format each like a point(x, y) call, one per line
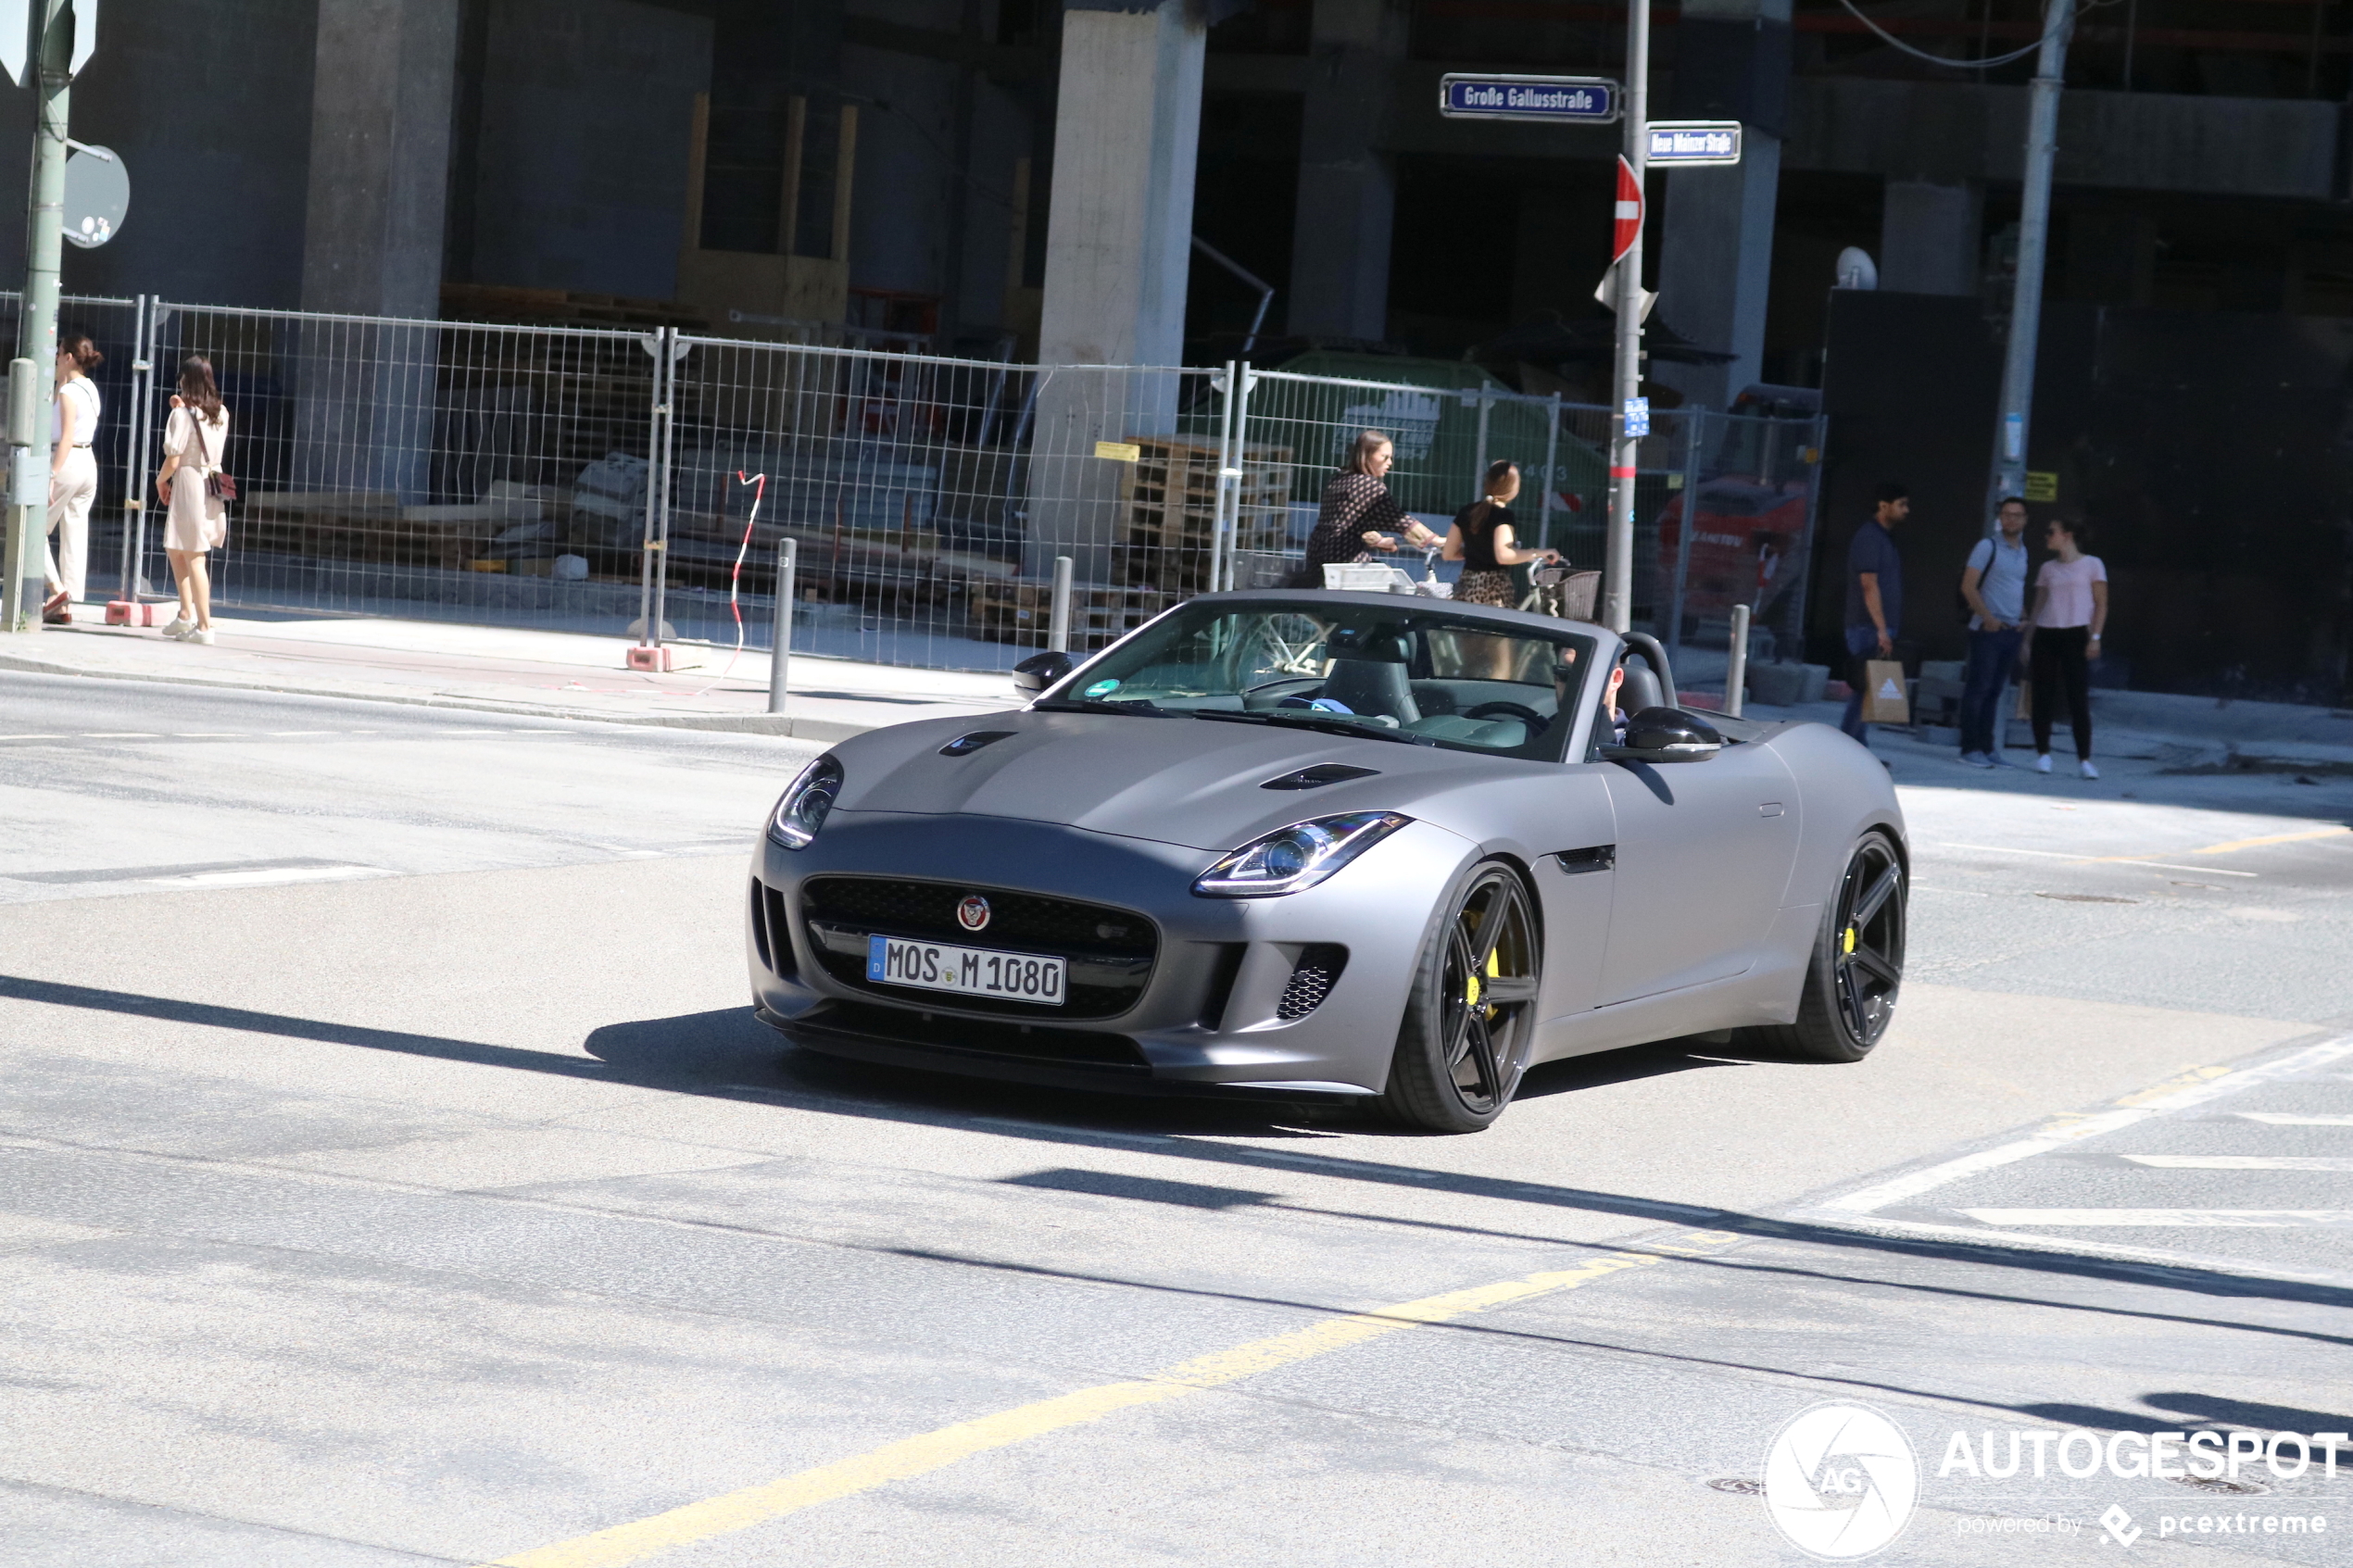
point(971, 971)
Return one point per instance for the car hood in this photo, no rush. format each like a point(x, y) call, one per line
point(1189, 782)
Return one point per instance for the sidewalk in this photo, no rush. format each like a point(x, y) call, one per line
point(572, 676)
point(548, 674)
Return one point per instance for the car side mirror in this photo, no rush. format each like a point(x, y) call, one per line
point(1666, 734)
point(1039, 671)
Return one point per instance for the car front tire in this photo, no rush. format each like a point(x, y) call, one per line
point(1472, 1018)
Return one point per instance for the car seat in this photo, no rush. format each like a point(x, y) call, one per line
point(1370, 674)
point(1642, 687)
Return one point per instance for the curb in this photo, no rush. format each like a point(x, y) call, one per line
point(784, 724)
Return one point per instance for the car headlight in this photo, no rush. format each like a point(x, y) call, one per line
point(1296, 857)
point(800, 810)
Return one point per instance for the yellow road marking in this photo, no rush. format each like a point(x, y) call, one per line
point(641, 1539)
point(2186, 1078)
point(2237, 844)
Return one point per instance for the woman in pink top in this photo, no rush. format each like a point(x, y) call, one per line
point(2070, 607)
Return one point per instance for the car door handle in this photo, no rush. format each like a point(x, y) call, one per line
point(1770, 808)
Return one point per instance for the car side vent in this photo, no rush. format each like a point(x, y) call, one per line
point(966, 744)
point(1319, 775)
point(1599, 858)
point(1312, 979)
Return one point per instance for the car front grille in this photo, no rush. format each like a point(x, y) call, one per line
point(963, 1036)
point(1111, 951)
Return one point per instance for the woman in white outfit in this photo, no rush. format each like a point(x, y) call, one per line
point(196, 520)
point(73, 478)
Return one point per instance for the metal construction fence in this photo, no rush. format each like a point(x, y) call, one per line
point(605, 482)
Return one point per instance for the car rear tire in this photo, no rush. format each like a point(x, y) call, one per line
point(1858, 962)
point(1472, 1018)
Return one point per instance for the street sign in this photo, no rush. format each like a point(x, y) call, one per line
point(1638, 416)
point(20, 22)
point(1689, 142)
point(97, 194)
point(1629, 212)
point(1558, 100)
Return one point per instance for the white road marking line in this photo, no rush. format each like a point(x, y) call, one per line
point(2095, 860)
point(267, 876)
point(2066, 1132)
point(208, 735)
point(2076, 1246)
point(35, 738)
point(2243, 1161)
point(118, 734)
point(292, 734)
point(2172, 1218)
point(2289, 1119)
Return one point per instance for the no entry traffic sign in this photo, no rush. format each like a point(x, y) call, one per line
point(1630, 211)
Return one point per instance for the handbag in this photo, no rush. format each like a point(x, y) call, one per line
point(218, 482)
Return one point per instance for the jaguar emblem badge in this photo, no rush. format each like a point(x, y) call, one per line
point(972, 913)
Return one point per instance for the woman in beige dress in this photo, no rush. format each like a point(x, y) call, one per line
point(73, 478)
point(197, 522)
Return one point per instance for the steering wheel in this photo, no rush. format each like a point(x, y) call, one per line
point(1520, 711)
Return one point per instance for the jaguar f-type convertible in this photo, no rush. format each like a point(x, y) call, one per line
point(1304, 844)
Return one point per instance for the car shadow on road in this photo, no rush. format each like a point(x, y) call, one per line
point(697, 1054)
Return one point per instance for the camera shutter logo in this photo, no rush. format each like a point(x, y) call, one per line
point(1840, 1481)
point(972, 913)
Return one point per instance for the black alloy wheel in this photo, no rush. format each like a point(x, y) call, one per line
point(1858, 962)
point(1471, 1019)
point(1870, 940)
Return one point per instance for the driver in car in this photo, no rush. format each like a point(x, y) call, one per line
point(1564, 694)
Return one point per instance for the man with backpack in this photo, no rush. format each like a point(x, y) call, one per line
point(1993, 593)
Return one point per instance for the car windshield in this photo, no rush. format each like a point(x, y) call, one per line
point(1363, 665)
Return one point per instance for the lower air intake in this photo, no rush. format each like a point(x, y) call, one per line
point(1312, 980)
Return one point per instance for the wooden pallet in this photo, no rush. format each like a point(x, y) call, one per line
point(488, 302)
point(1021, 611)
point(1170, 495)
point(365, 527)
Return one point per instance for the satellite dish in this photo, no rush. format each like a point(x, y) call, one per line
point(1856, 269)
point(97, 194)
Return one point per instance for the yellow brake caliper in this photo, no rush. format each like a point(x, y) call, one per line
point(1850, 938)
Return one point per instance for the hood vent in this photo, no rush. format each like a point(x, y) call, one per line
point(966, 744)
point(1316, 777)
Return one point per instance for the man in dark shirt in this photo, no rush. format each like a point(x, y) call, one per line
point(1874, 596)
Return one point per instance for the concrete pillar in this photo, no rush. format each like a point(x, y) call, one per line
point(1118, 245)
point(1715, 257)
point(381, 95)
point(1119, 236)
point(365, 395)
point(1931, 237)
point(1347, 191)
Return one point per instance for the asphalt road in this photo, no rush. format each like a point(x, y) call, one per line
point(391, 1173)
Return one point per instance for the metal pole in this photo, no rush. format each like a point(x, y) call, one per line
point(1478, 475)
point(1239, 398)
point(133, 508)
point(1736, 671)
point(143, 435)
point(1694, 420)
point(780, 642)
point(1221, 539)
point(1058, 617)
point(2033, 237)
point(1618, 576)
point(1552, 482)
point(21, 577)
point(658, 482)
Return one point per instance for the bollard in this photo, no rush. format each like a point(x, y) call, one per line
point(1058, 624)
point(1736, 671)
point(780, 647)
point(28, 499)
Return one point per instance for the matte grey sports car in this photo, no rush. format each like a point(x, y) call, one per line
point(1304, 844)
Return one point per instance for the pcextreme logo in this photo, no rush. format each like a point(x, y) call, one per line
point(1840, 1481)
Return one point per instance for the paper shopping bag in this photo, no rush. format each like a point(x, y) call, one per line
point(2025, 701)
point(1883, 698)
